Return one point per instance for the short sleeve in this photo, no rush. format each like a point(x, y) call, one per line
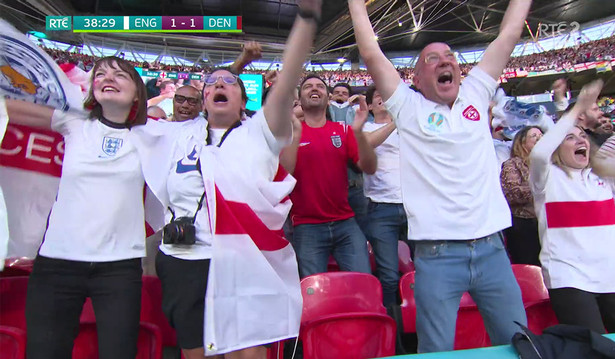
point(402, 96)
point(64, 122)
point(259, 123)
point(481, 84)
point(4, 118)
point(352, 148)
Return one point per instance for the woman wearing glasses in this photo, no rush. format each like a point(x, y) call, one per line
point(522, 239)
point(181, 164)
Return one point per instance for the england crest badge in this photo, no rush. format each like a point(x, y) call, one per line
point(337, 141)
point(111, 145)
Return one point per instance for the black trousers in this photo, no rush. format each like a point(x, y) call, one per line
point(522, 241)
point(57, 290)
point(590, 310)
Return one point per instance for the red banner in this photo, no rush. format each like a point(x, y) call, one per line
point(32, 149)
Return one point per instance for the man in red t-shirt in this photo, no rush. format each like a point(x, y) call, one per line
point(323, 221)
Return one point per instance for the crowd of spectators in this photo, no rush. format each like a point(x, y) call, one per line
point(561, 59)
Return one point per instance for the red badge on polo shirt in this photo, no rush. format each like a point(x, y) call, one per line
point(471, 113)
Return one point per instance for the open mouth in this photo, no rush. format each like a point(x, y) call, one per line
point(315, 96)
point(220, 98)
point(581, 151)
point(109, 89)
point(185, 112)
point(446, 78)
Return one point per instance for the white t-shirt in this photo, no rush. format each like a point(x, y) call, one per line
point(576, 219)
point(98, 214)
point(450, 179)
point(167, 106)
point(250, 151)
point(384, 185)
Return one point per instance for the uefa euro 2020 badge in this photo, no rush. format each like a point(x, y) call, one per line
point(111, 145)
point(434, 121)
point(26, 75)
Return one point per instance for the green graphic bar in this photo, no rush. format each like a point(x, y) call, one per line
point(145, 23)
point(98, 23)
point(58, 23)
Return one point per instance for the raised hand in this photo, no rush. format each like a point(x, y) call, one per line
point(559, 88)
point(252, 51)
point(589, 95)
point(360, 116)
point(310, 8)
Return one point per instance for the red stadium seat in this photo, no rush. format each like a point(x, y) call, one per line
point(470, 330)
point(12, 343)
point(17, 267)
point(405, 262)
point(535, 297)
point(13, 301)
point(343, 317)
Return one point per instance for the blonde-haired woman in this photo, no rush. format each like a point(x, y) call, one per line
point(576, 217)
point(522, 239)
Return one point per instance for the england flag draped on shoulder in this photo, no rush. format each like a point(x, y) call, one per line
point(253, 294)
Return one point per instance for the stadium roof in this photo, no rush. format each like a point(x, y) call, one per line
point(403, 26)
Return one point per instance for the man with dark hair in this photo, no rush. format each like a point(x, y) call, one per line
point(449, 178)
point(323, 221)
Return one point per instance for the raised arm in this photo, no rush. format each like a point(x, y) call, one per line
point(368, 161)
point(540, 157)
point(278, 109)
point(288, 157)
point(29, 114)
point(377, 137)
point(251, 51)
point(498, 52)
point(379, 67)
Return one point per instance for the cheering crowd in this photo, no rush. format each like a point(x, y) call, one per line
point(335, 170)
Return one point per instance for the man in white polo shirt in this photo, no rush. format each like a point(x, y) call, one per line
point(450, 184)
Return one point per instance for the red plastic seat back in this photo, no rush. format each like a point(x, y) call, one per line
point(531, 282)
point(339, 292)
point(13, 292)
point(405, 262)
point(151, 309)
point(17, 267)
point(408, 304)
point(12, 343)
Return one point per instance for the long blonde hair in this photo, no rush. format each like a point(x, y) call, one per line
point(556, 159)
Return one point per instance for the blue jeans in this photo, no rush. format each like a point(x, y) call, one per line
point(358, 203)
point(314, 243)
point(387, 224)
point(447, 269)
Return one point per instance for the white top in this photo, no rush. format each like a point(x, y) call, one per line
point(502, 151)
point(167, 106)
point(250, 150)
point(98, 214)
point(576, 219)
point(4, 226)
point(450, 178)
point(385, 184)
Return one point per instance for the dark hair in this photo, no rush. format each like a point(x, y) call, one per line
point(369, 95)
point(166, 83)
point(244, 94)
point(344, 85)
point(309, 76)
point(138, 114)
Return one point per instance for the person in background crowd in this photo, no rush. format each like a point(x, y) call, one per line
point(323, 221)
point(156, 113)
point(153, 87)
point(386, 218)
point(96, 236)
point(165, 99)
point(450, 186)
point(576, 218)
point(186, 104)
point(501, 144)
point(522, 239)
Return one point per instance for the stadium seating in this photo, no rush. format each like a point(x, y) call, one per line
point(17, 267)
point(343, 317)
point(469, 332)
point(12, 343)
point(405, 262)
point(535, 296)
point(13, 301)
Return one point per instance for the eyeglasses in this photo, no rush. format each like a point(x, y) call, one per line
point(181, 99)
point(434, 58)
point(227, 79)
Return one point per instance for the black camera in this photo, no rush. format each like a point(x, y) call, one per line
point(179, 231)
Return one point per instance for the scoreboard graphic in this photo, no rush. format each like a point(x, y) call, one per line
point(218, 24)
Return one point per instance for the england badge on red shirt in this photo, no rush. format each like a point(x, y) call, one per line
point(471, 113)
